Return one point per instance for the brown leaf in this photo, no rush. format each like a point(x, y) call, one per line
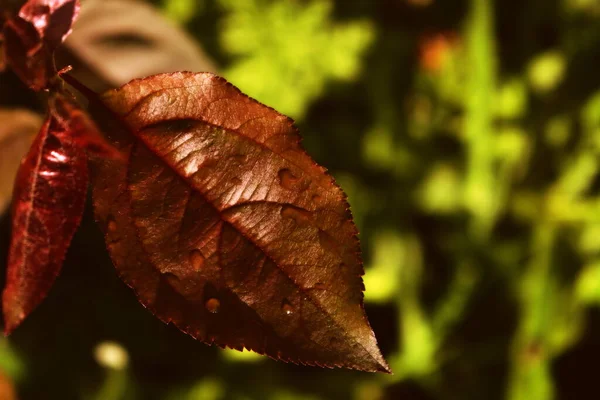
point(122, 40)
point(48, 201)
point(224, 226)
point(17, 129)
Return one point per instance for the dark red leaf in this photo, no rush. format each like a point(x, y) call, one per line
point(82, 130)
point(32, 36)
point(224, 226)
point(48, 200)
point(52, 19)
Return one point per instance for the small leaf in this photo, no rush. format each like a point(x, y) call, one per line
point(51, 18)
point(122, 40)
point(32, 36)
point(17, 130)
point(48, 201)
point(223, 225)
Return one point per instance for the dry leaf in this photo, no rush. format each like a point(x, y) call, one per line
point(17, 129)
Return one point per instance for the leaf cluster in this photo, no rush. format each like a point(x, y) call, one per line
point(212, 212)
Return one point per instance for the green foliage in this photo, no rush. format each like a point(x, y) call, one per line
point(287, 51)
point(182, 11)
point(10, 362)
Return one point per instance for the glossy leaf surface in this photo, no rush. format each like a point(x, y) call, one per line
point(48, 201)
point(223, 225)
point(32, 36)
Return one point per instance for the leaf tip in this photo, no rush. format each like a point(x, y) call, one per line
point(385, 368)
point(11, 320)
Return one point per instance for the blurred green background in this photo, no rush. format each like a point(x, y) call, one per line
point(467, 137)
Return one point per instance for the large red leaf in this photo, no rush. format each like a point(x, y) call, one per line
point(48, 200)
point(32, 36)
point(224, 226)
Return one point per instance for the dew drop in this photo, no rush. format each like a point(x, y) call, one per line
point(316, 197)
point(295, 213)
point(112, 225)
point(213, 305)
point(287, 179)
point(327, 242)
point(197, 259)
point(287, 308)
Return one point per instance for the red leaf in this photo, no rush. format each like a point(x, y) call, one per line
point(48, 201)
point(32, 36)
point(82, 130)
point(52, 19)
point(2, 55)
point(224, 226)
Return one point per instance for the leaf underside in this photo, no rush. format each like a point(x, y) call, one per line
point(48, 200)
point(224, 226)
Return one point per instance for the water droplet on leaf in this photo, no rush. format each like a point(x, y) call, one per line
point(287, 179)
point(287, 308)
point(197, 259)
point(327, 242)
point(213, 305)
point(111, 226)
point(295, 213)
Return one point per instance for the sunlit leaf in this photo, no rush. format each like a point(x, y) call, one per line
point(224, 226)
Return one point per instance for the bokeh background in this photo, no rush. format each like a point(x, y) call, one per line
point(466, 134)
